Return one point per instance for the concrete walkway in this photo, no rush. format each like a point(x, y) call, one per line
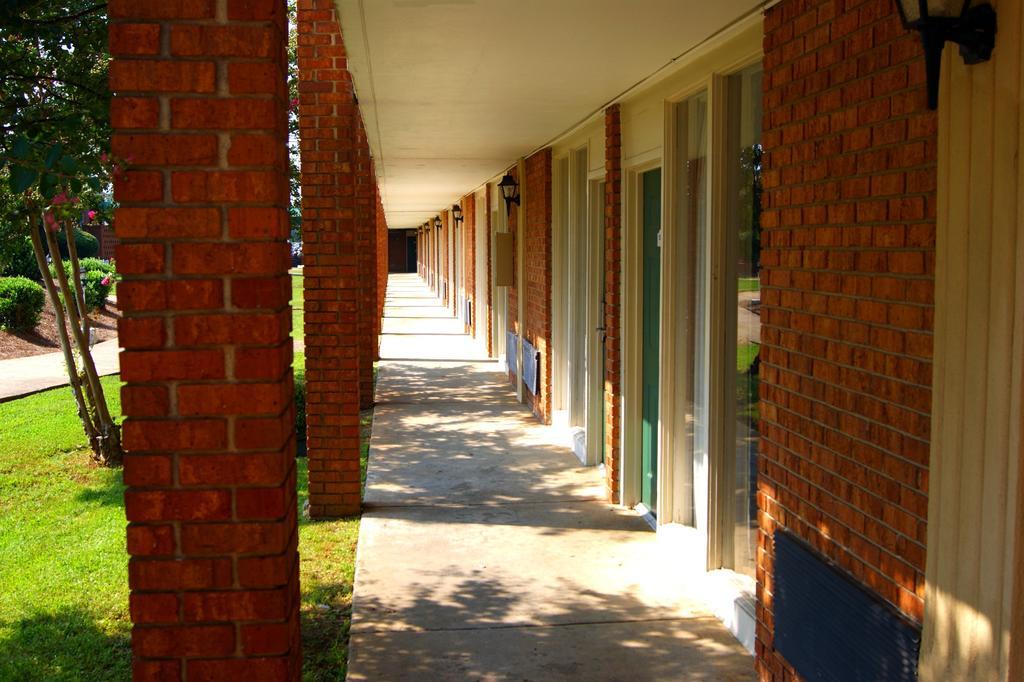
point(25, 376)
point(487, 553)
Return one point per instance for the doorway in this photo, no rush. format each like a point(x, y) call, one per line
point(595, 427)
point(650, 345)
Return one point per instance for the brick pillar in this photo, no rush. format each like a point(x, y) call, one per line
point(613, 292)
point(366, 239)
point(536, 290)
point(328, 121)
point(847, 301)
point(199, 103)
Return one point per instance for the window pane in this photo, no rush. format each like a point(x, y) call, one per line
point(744, 198)
point(694, 324)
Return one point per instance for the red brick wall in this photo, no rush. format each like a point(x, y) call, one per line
point(105, 236)
point(848, 264)
point(537, 273)
point(209, 429)
point(612, 311)
point(332, 157)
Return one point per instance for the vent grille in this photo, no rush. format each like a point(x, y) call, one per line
point(828, 627)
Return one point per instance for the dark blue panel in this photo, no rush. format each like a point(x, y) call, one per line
point(830, 628)
point(511, 351)
point(531, 367)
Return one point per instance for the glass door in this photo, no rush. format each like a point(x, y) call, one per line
point(743, 216)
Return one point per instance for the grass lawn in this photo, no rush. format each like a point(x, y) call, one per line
point(327, 552)
point(748, 385)
point(63, 567)
point(298, 314)
point(748, 284)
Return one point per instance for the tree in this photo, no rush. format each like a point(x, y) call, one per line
point(54, 165)
point(295, 191)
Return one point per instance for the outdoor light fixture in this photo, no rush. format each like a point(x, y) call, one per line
point(972, 28)
point(437, 222)
point(510, 191)
point(457, 213)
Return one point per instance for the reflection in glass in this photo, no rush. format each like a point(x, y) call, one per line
point(744, 216)
point(694, 323)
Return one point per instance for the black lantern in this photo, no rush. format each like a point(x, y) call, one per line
point(437, 222)
point(972, 28)
point(510, 191)
point(457, 213)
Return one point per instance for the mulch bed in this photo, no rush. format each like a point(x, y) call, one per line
point(43, 339)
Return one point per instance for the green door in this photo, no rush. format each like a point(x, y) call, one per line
point(651, 322)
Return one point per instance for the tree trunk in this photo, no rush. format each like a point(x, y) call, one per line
point(62, 333)
point(106, 439)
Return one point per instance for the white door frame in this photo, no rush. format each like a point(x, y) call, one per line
point(481, 314)
point(499, 295)
point(632, 324)
point(595, 417)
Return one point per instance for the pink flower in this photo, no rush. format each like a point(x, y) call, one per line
point(106, 281)
point(91, 215)
point(61, 198)
point(103, 157)
point(51, 222)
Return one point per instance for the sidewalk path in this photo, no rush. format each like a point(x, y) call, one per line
point(24, 376)
point(487, 553)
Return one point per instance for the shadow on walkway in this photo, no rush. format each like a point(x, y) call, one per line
point(486, 551)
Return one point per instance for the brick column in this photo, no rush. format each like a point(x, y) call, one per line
point(199, 104)
point(613, 292)
point(328, 120)
point(847, 301)
point(536, 290)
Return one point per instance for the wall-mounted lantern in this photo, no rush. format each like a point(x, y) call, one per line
point(437, 222)
point(509, 191)
point(972, 28)
point(457, 213)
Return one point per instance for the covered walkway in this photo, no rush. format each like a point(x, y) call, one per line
point(486, 551)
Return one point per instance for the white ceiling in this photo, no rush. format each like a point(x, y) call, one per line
point(452, 92)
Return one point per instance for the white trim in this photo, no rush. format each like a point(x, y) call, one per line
point(559, 295)
point(974, 583)
point(596, 361)
point(520, 276)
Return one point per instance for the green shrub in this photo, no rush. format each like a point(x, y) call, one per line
point(97, 264)
point(19, 260)
point(88, 246)
point(95, 290)
point(94, 271)
point(21, 303)
point(300, 410)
